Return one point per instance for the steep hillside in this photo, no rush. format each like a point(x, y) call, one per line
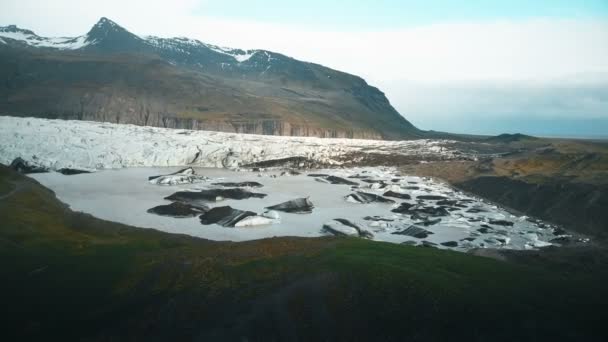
point(110, 74)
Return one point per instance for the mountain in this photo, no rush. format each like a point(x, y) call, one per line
point(111, 74)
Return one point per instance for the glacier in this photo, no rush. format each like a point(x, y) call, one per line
point(57, 144)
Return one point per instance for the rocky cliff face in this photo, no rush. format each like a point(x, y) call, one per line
point(112, 75)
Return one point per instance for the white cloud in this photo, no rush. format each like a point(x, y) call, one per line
point(498, 67)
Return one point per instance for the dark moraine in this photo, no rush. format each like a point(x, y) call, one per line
point(240, 184)
point(373, 181)
point(178, 210)
point(484, 230)
point(186, 171)
point(22, 166)
point(431, 211)
point(288, 162)
point(403, 208)
point(71, 172)
point(378, 218)
point(573, 204)
point(297, 206)
point(431, 197)
point(322, 175)
point(450, 244)
point(224, 216)
point(364, 197)
point(362, 232)
point(501, 222)
point(397, 195)
point(339, 180)
point(212, 195)
point(428, 222)
point(414, 231)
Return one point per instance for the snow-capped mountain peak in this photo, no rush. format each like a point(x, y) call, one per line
point(29, 38)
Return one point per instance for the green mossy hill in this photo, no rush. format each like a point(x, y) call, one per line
point(70, 276)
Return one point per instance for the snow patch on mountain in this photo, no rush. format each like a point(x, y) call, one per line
point(31, 39)
point(238, 54)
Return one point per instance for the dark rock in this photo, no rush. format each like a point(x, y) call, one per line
point(403, 208)
point(290, 173)
point(484, 230)
point(178, 210)
point(377, 218)
point(287, 163)
point(186, 171)
point(395, 180)
point(468, 239)
point(429, 244)
point(362, 232)
point(559, 231)
point(428, 222)
point(501, 222)
point(70, 172)
point(373, 181)
point(450, 244)
point(22, 166)
point(475, 210)
point(297, 206)
point(224, 216)
point(339, 180)
point(212, 195)
point(414, 231)
point(240, 184)
point(429, 211)
point(359, 176)
point(563, 240)
point(397, 195)
point(431, 197)
point(364, 197)
point(322, 175)
point(183, 176)
point(409, 243)
point(447, 202)
point(411, 188)
point(436, 211)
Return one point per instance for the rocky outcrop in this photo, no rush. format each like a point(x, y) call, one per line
point(580, 207)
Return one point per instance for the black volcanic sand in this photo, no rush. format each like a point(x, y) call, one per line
point(69, 276)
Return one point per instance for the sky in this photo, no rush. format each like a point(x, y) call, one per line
point(471, 66)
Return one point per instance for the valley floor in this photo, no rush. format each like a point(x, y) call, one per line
point(69, 276)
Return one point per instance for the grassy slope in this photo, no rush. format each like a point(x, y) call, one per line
point(71, 275)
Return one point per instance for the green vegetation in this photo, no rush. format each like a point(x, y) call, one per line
point(68, 275)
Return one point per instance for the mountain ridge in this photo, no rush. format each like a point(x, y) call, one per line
point(244, 91)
